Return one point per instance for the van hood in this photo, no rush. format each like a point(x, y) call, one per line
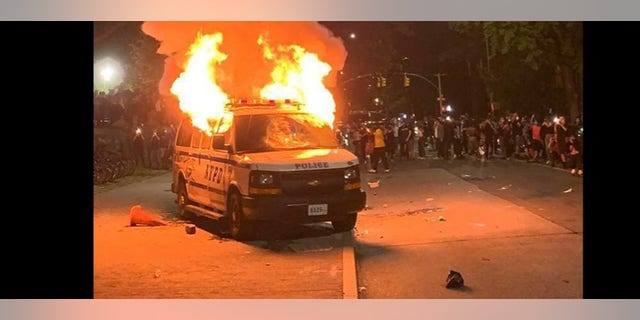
point(299, 160)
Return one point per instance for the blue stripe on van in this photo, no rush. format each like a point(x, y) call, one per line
point(206, 157)
point(210, 189)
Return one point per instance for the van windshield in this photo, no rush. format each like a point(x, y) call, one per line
point(274, 132)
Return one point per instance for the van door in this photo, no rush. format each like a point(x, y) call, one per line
point(220, 164)
point(218, 183)
point(195, 170)
point(208, 163)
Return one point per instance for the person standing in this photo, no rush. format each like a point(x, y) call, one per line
point(410, 143)
point(356, 140)
point(421, 141)
point(561, 134)
point(574, 155)
point(379, 152)
point(546, 133)
point(390, 141)
point(490, 133)
point(154, 151)
point(536, 142)
point(403, 136)
point(438, 134)
point(138, 148)
point(449, 128)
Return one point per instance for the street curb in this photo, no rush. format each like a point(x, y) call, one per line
point(349, 279)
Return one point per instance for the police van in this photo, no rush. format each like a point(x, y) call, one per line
point(266, 161)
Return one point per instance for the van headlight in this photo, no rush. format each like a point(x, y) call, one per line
point(264, 183)
point(351, 174)
point(352, 178)
point(262, 178)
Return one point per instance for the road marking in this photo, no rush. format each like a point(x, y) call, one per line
point(349, 279)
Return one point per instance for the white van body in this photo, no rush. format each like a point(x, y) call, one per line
point(266, 162)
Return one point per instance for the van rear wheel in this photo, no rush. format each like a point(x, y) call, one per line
point(346, 224)
point(183, 201)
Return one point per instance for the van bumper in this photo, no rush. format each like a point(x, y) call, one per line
point(296, 209)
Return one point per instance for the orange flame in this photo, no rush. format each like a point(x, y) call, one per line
point(200, 97)
point(298, 75)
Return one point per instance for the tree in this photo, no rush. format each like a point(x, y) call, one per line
point(134, 49)
point(532, 61)
point(147, 65)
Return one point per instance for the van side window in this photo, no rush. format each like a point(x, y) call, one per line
point(206, 142)
point(184, 135)
point(195, 139)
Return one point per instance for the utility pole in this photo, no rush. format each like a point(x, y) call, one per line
point(440, 97)
point(438, 87)
point(486, 45)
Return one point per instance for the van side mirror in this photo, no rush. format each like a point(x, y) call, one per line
point(218, 142)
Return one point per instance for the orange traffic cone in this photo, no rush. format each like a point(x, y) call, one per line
point(139, 216)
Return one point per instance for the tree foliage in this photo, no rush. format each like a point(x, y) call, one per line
point(147, 67)
point(136, 51)
point(531, 65)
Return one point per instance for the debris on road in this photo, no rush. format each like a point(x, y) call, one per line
point(374, 184)
point(190, 228)
point(384, 205)
point(422, 210)
point(299, 248)
point(138, 216)
point(441, 218)
point(485, 259)
point(469, 177)
point(568, 190)
point(506, 187)
point(360, 289)
point(429, 199)
point(454, 280)
point(267, 264)
point(157, 274)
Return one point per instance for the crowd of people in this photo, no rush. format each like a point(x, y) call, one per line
point(144, 118)
point(549, 140)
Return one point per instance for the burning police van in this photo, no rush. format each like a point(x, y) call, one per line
point(266, 161)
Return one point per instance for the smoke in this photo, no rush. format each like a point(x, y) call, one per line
point(245, 71)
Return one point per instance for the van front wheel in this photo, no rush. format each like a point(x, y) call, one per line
point(346, 224)
point(239, 227)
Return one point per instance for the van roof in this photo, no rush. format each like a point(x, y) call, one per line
point(264, 109)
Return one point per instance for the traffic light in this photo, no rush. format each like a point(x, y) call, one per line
point(383, 81)
point(407, 81)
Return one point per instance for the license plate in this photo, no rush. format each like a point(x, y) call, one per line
point(318, 209)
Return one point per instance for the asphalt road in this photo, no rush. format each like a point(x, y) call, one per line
point(509, 227)
point(512, 229)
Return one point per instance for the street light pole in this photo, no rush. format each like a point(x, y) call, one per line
point(438, 87)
